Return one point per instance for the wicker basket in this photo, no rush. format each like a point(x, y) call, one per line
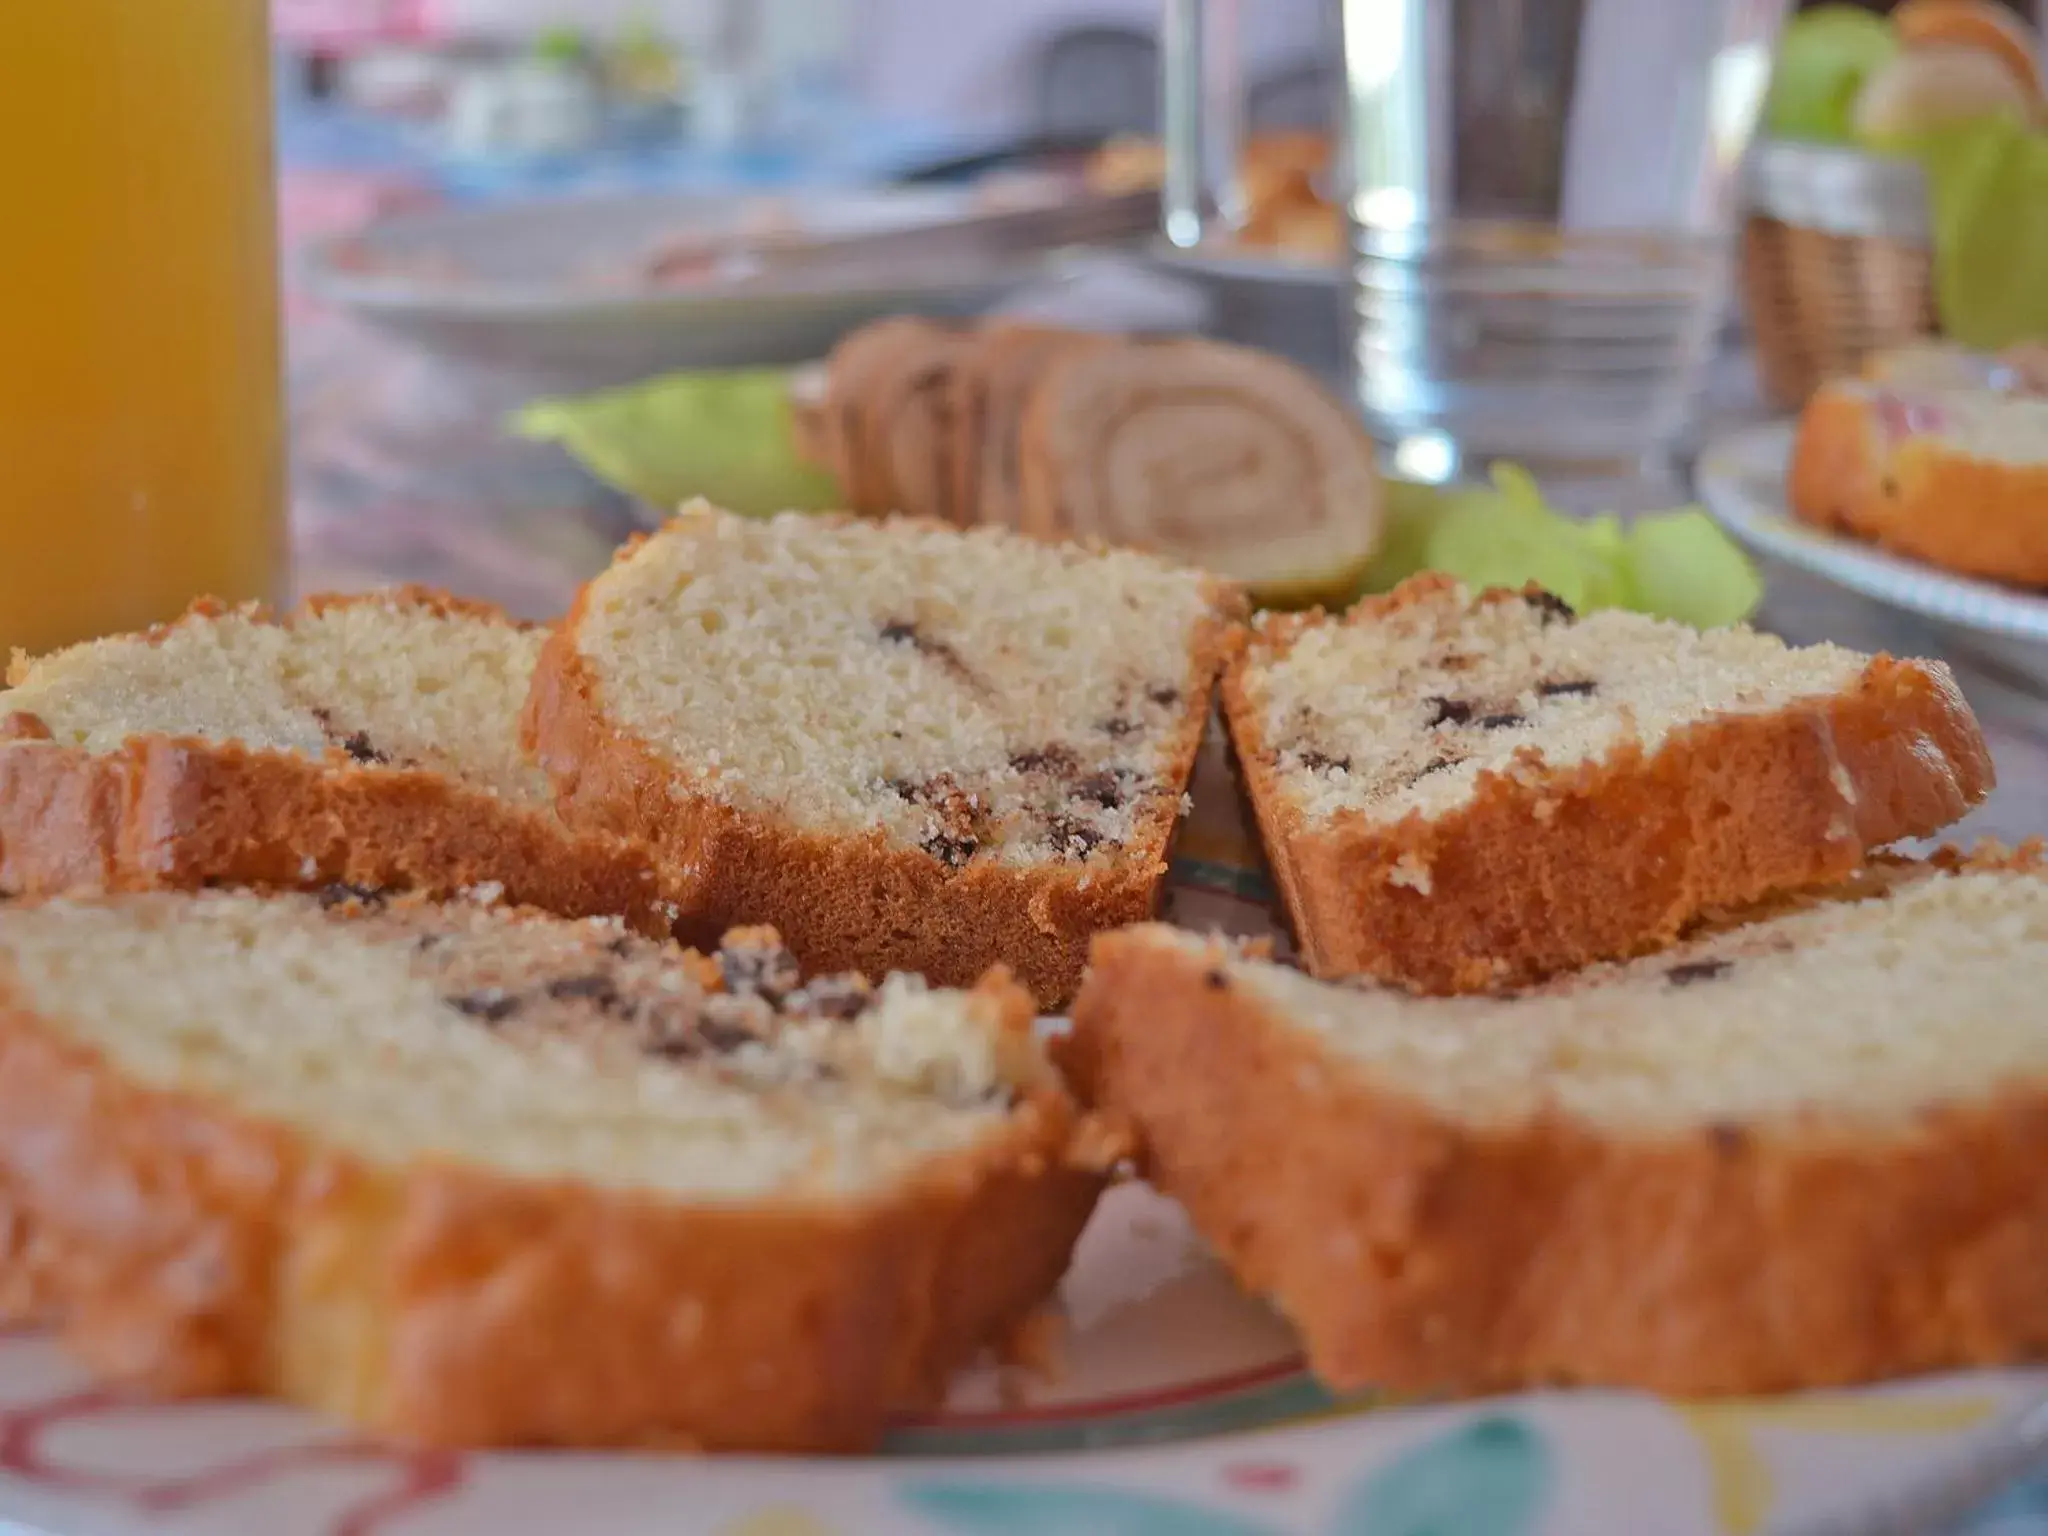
point(1836, 263)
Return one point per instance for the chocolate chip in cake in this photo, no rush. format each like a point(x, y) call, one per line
point(1553, 608)
point(839, 998)
point(1581, 688)
point(1317, 762)
point(1502, 721)
point(724, 1034)
point(903, 789)
point(1118, 726)
point(767, 971)
point(1434, 765)
point(1053, 759)
point(595, 988)
point(1163, 696)
point(1075, 839)
point(492, 1005)
point(622, 946)
point(1103, 789)
point(720, 1023)
point(341, 894)
point(1728, 1139)
point(357, 745)
point(1215, 981)
point(1443, 711)
point(685, 1047)
point(954, 852)
point(903, 632)
point(1696, 970)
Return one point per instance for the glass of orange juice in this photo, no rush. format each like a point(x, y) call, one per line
point(141, 424)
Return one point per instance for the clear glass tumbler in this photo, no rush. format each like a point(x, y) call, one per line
point(1541, 197)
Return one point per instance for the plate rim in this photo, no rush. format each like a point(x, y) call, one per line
point(1724, 479)
point(331, 279)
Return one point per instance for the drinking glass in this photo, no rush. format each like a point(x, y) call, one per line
point(141, 436)
point(1541, 198)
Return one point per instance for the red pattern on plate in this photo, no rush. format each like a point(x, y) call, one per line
point(421, 1477)
point(1261, 1476)
point(1155, 1401)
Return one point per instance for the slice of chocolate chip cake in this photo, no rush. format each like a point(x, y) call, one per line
point(906, 746)
point(372, 739)
point(1796, 1152)
point(1463, 791)
point(470, 1176)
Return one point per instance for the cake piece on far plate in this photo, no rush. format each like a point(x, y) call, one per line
point(1797, 1151)
point(906, 746)
point(466, 1176)
point(1953, 475)
point(369, 740)
point(1459, 791)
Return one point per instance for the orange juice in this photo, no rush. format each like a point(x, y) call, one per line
point(141, 435)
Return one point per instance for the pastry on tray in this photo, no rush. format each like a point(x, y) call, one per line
point(1207, 450)
point(1281, 174)
point(1216, 455)
point(471, 1177)
point(995, 381)
point(372, 740)
point(1798, 1151)
point(1460, 791)
point(1956, 476)
point(872, 375)
point(906, 746)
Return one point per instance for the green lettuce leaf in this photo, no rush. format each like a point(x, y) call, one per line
point(1680, 565)
point(727, 436)
point(1671, 565)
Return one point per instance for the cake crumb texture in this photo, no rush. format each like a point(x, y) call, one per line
point(469, 1175)
point(1460, 791)
point(905, 745)
point(1795, 1151)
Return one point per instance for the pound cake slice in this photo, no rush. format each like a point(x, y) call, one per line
point(371, 740)
point(1462, 791)
point(906, 746)
point(469, 1176)
point(1796, 1152)
point(1957, 477)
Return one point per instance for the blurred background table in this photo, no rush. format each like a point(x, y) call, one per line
point(403, 471)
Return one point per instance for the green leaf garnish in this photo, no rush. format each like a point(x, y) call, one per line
point(727, 436)
point(1671, 565)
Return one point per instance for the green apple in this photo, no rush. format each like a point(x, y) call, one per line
point(1824, 56)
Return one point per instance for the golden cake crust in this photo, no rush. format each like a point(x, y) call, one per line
point(1417, 1254)
point(1920, 497)
point(849, 903)
point(189, 1250)
point(1546, 870)
point(166, 812)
